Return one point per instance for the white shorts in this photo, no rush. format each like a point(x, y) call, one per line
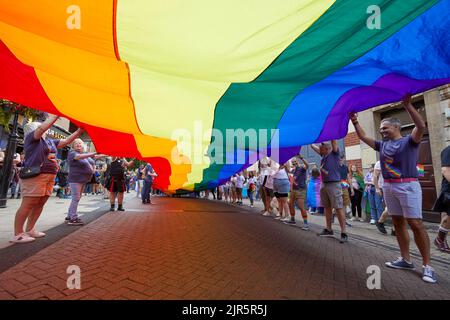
point(403, 199)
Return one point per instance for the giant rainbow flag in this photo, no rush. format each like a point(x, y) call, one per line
point(131, 72)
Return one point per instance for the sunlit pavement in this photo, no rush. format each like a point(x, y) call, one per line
point(200, 249)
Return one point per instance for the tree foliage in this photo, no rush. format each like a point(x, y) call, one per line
point(7, 109)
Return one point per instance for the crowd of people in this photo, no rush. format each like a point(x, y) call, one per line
point(390, 187)
point(37, 174)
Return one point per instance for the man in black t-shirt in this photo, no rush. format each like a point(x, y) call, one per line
point(443, 203)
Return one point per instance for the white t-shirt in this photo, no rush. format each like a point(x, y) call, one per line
point(380, 176)
point(240, 182)
point(281, 174)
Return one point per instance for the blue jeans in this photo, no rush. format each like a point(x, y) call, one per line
point(76, 189)
point(376, 204)
point(146, 191)
point(250, 195)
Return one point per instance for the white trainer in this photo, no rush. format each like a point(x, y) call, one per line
point(35, 234)
point(22, 238)
point(267, 214)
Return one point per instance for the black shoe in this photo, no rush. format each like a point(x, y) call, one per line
point(75, 222)
point(290, 222)
point(120, 208)
point(344, 238)
point(113, 208)
point(326, 233)
point(381, 228)
point(66, 219)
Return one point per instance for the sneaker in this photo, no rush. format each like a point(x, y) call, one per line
point(381, 228)
point(372, 221)
point(289, 221)
point(348, 224)
point(286, 219)
point(66, 219)
point(75, 222)
point(35, 234)
point(429, 275)
point(361, 220)
point(344, 238)
point(326, 233)
point(267, 214)
point(442, 245)
point(120, 208)
point(277, 217)
point(251, 206)
point(400, 263)
point(112, 208)
point(305, 227)
point(352, 219)
point(22, 238)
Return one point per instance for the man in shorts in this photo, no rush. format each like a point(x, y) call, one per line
point(331, 189)
point(298, 192)
point(402, 190)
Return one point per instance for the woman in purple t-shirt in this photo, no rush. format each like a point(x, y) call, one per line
point(81, 169)
point(40, 152)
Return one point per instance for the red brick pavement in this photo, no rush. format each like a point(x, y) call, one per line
point(199, 249)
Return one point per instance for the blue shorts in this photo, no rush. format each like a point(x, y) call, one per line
point(403, 199)
point(281, 186)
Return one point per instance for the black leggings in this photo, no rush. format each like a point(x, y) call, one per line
point(356, 203)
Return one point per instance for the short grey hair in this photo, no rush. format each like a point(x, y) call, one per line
point(30, 127)
point(393, 121)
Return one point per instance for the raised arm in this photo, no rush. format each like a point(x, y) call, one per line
point(304, 162)
point(315, 148)
point(85, 155)
point(128, 164)
point(334, 146)
point(420, 126)
point(45, 126)
point(360, 132)
point(65, 142)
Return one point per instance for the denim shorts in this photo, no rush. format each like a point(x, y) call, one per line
point(403, 199)
point(281, 185)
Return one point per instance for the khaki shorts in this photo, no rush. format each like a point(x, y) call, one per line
point(346, 197)
point(39, 186)
point(299, 194)
point(331, 195)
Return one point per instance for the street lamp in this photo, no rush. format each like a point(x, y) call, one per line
point(8, 160)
